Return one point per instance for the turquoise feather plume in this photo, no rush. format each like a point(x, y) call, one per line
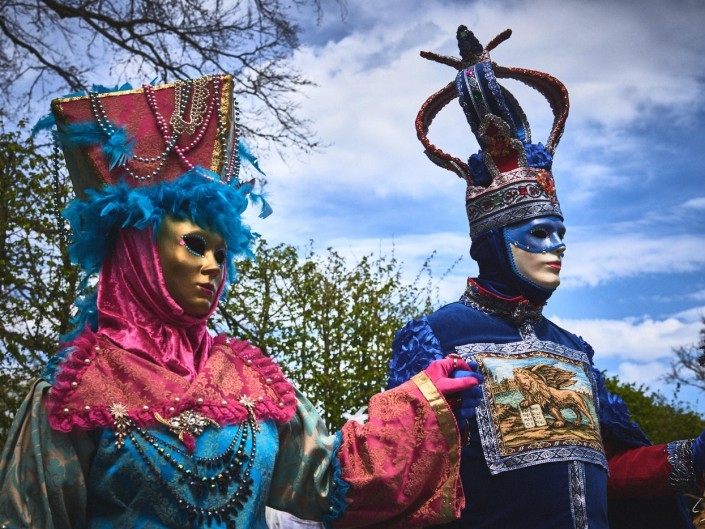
point(45, 123)
point(118, 148)
point(245, 154)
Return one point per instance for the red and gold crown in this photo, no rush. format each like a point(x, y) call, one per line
point(150, 134)
point(510, 179)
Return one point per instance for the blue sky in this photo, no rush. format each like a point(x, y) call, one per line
point(629, 169)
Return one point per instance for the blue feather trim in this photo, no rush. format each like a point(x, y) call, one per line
point(52, 368)
point(49, 121)
point(80, 134)
point(119, 148)
point(45, 123)
point(246, 154)
point(87, 315)
point(197, 196)
point(265, 208)
point(100, 89)
point(257, 198)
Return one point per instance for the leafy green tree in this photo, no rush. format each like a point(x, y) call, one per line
point(662, 420)
point(328, 324)
point(37, 282)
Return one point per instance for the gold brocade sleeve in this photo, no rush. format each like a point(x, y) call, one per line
point(398, 470)
point(448, 426)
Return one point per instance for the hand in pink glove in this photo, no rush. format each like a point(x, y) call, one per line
point(460, 381)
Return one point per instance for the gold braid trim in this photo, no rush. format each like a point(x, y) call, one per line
point(450, 432)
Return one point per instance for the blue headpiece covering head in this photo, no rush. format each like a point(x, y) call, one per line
point(509, 180)
point(135, 156)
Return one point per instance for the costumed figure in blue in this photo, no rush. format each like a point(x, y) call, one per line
point(548, 446)
point(143, 419)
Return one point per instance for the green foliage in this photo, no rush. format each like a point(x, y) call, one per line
point(661, 419)
point(329, 325)
point(37, 282)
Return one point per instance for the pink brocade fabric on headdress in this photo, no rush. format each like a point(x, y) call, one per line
point(137, 313)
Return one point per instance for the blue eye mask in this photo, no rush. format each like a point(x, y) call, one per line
point(540, 235)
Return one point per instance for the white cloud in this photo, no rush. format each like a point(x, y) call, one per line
point(646, 374)
point(637, 340)
point(607, 257)
point(371, 83)
point(695, 203)
point(698, 295)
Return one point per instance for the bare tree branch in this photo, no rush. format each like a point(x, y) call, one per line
point(50, 47)
point(688, 366)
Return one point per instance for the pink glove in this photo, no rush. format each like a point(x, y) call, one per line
point(453, 375)
point(455, 378)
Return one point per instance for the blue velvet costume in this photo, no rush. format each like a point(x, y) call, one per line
point(548, 446)
point(554, 488)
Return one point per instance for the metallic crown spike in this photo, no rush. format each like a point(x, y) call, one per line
point(509, 180)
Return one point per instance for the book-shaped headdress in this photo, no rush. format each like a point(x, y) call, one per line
point(151, 134)
point(136, 155)
point(510, 179)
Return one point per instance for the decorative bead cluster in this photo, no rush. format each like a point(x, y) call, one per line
point(232, 164)
point(180, 105)
point(190, 97)
point(189, 421)
point(199, 101)
point(64, 236)
point(220, 486)
point(545, 180)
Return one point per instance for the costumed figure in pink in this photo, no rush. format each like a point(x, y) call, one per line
point(549, 446)
point(143, 418)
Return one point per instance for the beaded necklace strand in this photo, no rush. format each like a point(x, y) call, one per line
point(220, 486)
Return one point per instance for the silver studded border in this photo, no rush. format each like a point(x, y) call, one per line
point(578, 503)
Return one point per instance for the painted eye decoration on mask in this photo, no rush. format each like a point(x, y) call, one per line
point(539, 235)
point(197, 245)
point(544, 233)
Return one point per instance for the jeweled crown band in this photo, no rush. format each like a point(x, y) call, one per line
point(514, 196)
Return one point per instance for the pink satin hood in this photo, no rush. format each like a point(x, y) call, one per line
point(137, 313)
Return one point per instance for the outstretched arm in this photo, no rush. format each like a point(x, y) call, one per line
point(399, 469)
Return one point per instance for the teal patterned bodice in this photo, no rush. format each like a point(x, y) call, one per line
point(126, 491)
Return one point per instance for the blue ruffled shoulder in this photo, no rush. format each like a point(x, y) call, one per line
point(414, 348)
